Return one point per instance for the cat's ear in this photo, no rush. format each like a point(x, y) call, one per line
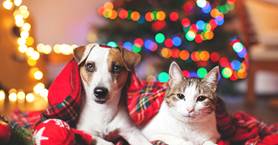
point(212, 77)
point(175, 72)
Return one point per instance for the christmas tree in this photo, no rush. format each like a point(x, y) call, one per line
point(187, 31)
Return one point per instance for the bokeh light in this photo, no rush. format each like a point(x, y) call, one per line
point(202, 72)
point(227, 72)
point(163, 77)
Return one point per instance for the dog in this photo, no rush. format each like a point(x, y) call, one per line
point(104, 72)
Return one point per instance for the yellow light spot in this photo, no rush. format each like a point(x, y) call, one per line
point(44, 94)
point(2, 95)
point(24, 34)
point(12, 91)
point(24, 11)
point(22, 48)
point(108, 5)
point(16, 12)
point(46, 49)
point(7, 4)
point(19, 21)
point(35, 55)
point(38, 75)
point(31, 62)
point(160, 15)
point(12, 97)
point(166, 53)
point(56, 48)
point(38, 88)
point(26, 27)
point(29, 51)
point(21, 96)
point(114, 15)
point(30, 41)
point(30, 97)
point(17, 2)
point(21, 41)
point(107, 13)
point(215, 12)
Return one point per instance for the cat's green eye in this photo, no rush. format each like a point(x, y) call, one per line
point(201, 98)
point(180, 96)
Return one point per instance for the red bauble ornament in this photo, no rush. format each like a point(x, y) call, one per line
point(5, 132)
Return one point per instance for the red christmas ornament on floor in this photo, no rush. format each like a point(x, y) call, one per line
point(53, 132)
point(5, 132)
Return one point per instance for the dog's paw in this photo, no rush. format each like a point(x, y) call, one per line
point(209, 143)
point(100, 141)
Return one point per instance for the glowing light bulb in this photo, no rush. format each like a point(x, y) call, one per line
point(44, 94)
point(38, 75)
point(159, 37)
point(160, 15)
point(202, 72)
point(12, 97)
point(190, 35)
point(26, 27)
point(165, 52)
point(29, 41)
point(21, 41)
point(38, 88)
point(108, 5)
point(201, 3)
point(35, 55)
point(227, 72)
point(22, 48)
point(2, 95)
point(17, 2)
point(19, 21)
point(31, 62)
point(30, 97)
point(24, 34)
point(163, 77)
point(21, 96)
point(7, 4)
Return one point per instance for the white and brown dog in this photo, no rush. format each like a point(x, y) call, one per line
point(104, 74)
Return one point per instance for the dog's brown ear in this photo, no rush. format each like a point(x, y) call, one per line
point(131, 59)
point(78, 53)
point(81, 53)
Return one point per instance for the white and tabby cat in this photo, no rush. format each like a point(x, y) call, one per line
point(187, 115)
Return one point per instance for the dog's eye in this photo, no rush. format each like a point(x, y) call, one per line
point(90, 67)
point(201, 98)
point(180, 96)
point(116, 68)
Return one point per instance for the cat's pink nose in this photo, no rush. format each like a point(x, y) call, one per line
point(190, 109)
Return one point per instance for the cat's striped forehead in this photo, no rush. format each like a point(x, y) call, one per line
point(190, 87)
point(187, 83)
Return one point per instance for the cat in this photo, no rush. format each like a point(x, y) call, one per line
point(187, 114)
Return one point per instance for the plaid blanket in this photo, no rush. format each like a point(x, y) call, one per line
point(144, 100)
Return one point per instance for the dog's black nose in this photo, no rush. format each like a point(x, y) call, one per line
point(100, 92)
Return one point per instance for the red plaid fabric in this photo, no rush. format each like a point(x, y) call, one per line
point(144, 99)
point(25, 119)
point(64, 95)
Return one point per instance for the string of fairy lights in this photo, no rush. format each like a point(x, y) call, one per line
point(26, 46)
point(168, 46)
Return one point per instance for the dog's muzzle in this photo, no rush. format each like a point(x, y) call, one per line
point(101, 94)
